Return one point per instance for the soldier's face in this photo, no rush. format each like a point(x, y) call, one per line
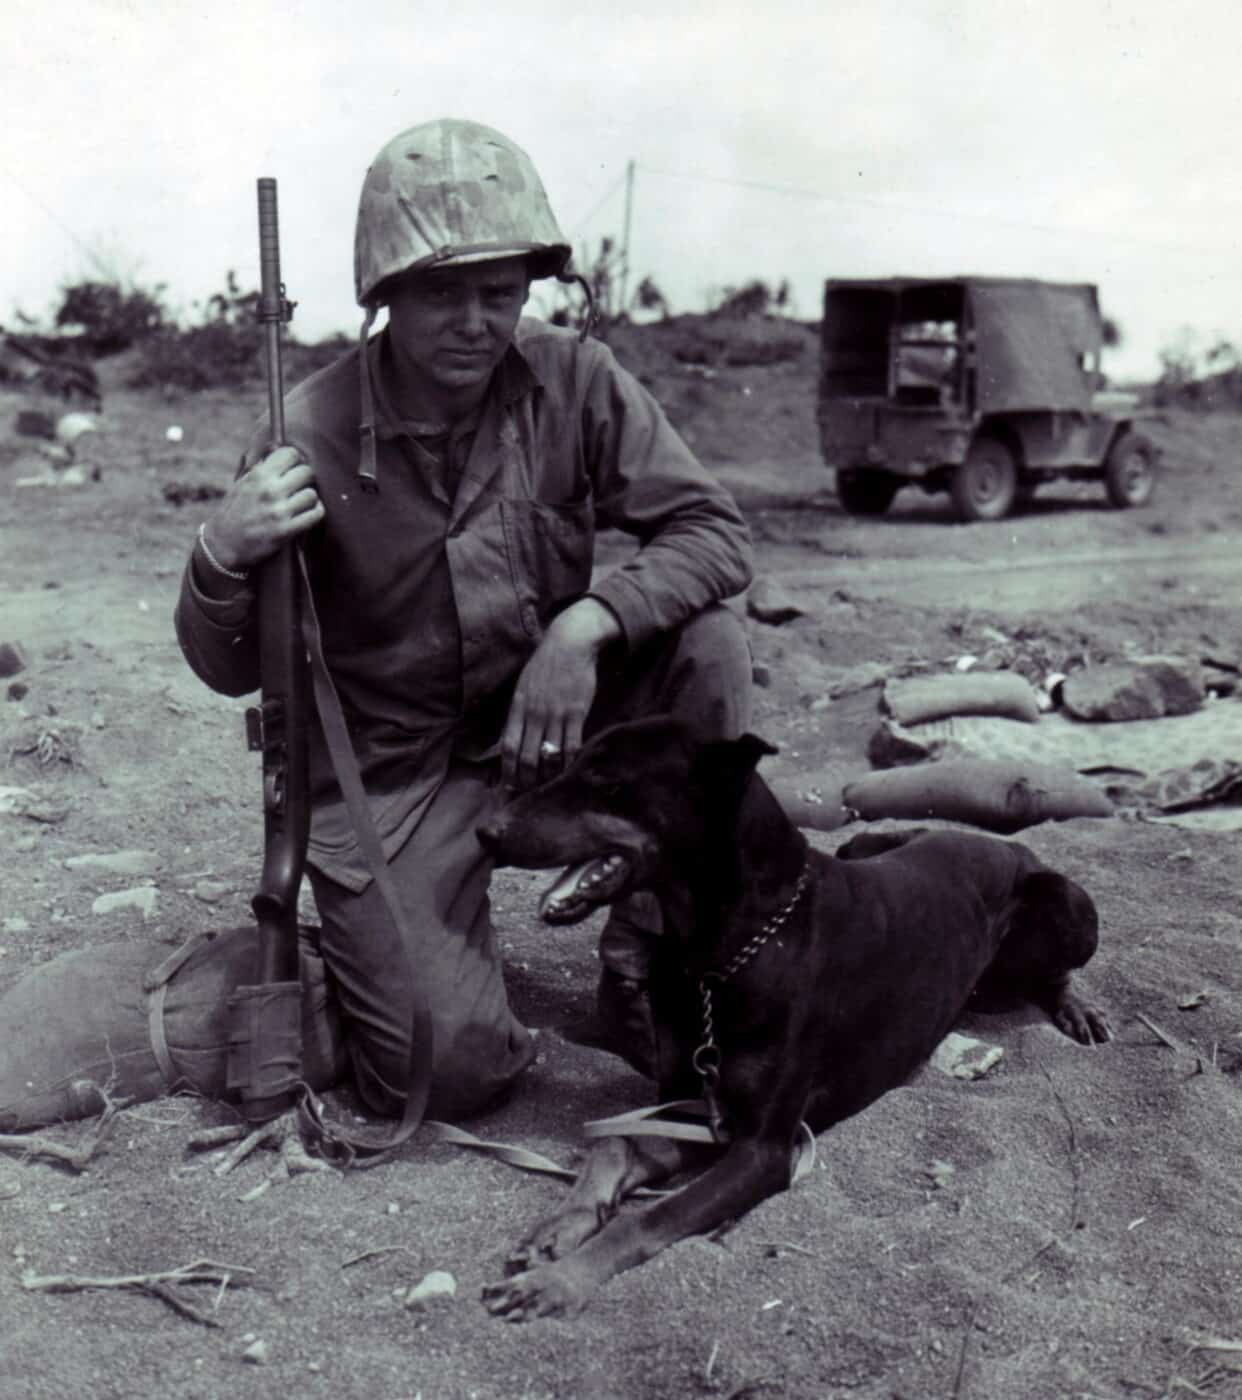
point(452, 325)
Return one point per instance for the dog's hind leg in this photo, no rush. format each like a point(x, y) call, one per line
point(1080, 1019)
point(615, 1168)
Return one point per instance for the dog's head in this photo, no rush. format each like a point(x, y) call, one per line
point(640, 803)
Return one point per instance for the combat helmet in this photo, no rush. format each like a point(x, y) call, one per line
point(439, 194)
point(450, 192)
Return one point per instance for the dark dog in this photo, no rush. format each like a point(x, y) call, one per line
point(829, 979)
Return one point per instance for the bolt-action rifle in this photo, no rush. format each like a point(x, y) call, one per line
point(265, 1034)
point(265, 1040)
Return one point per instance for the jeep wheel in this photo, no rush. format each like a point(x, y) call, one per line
point(866, 493)
point(985, 485)
point(1130, 471)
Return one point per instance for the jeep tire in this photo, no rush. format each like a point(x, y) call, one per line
point(1130, 470)
point(985, 485)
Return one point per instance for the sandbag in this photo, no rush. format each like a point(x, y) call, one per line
point(919, 698)
point(994, 794)
point(85, 1020)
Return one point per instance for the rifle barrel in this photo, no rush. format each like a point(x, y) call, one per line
point(273, 309)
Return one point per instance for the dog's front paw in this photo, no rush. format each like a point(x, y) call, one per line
point(1081, 1021)
point(553, 1238)
point(547, 1291)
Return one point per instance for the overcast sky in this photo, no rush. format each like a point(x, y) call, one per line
point(1069, 139)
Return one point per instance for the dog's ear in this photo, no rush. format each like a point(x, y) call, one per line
point(723, 767)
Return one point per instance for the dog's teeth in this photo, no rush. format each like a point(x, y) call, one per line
point(600, 872)
point(582, 886)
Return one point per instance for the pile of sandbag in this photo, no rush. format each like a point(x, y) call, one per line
point(989, 749)
point(1003, 794)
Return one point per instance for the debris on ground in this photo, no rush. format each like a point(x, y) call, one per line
point(1148, 688)
point(438, 1284)
point(12, 659)
point(856, 678)
point(133, 862)
point(141, 898)
point(48, 744)
point(964, 1057)
point(769, 603)
point(72, 427)
point(32, 422)
point(164, 1285)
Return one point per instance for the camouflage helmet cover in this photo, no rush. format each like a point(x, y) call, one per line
point(451, 192)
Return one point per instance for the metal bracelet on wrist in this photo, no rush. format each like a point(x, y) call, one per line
point(241, 575)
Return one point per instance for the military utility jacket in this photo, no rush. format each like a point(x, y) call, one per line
point(433, 591)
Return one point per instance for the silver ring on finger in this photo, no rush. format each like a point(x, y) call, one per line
point(549, 750)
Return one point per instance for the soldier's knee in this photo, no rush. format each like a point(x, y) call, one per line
point(477, 1069)
point(716, 633)
point(713, 651)
point(470, 1074)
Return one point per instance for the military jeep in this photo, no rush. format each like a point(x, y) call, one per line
point(984, 388)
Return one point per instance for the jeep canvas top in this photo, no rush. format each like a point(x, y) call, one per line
point(981, 387)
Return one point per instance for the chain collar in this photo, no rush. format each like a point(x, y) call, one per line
point(773, 925)
point(707, 1057)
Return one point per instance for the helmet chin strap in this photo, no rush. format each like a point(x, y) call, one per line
point(588, 324)
point(368, 462)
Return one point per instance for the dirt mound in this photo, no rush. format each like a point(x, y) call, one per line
point(738, 390)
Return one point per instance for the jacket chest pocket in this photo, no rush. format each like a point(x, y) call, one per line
point(550, 550)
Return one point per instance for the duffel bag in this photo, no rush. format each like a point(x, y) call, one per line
point(121, 1018)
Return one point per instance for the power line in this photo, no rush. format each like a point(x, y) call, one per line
point(577, 224)
point(896, 207)
point(104, 271)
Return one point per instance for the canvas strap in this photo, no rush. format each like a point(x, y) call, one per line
point(650, 1122)
point(332, 1140)
point(155, 987)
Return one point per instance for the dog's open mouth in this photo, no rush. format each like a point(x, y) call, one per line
point(583, 888)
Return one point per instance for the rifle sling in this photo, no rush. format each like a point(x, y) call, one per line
point(345, 765)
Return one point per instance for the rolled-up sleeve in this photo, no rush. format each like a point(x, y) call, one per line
point(218, 638)
point(695, 547)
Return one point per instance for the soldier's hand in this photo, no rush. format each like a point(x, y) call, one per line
point(554, 694)
point(273, 502)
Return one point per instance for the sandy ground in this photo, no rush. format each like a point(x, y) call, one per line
point(1067, 1226)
